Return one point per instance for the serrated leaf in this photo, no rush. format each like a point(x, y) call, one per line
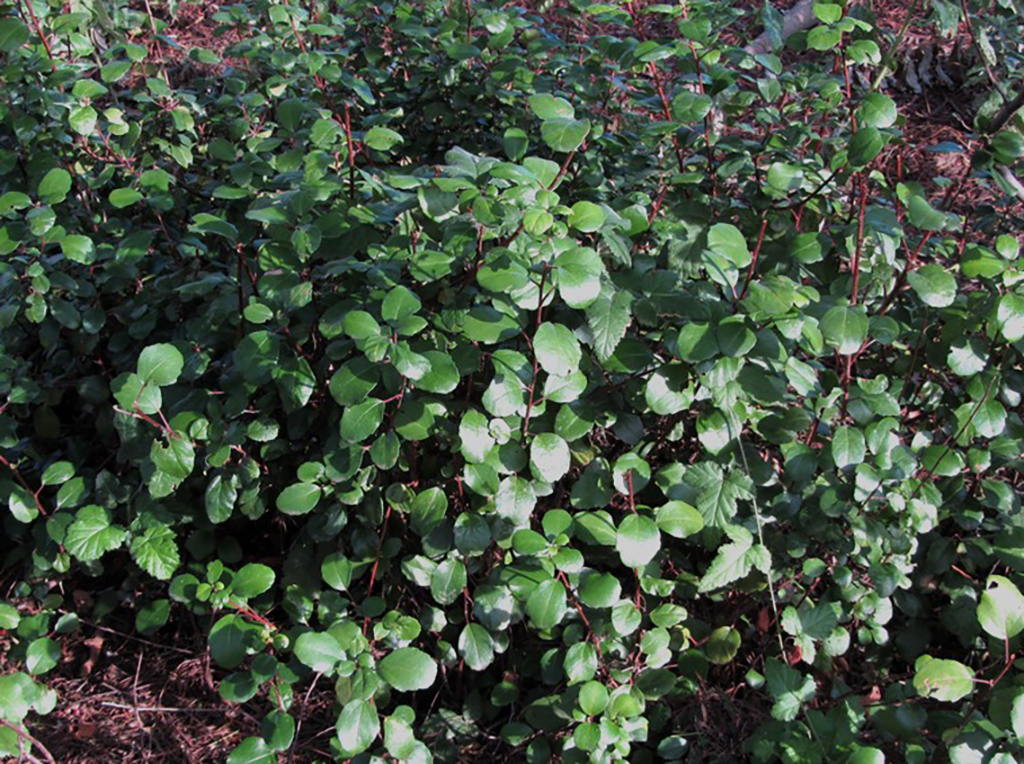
point(608, 317)
point(156, 551)
point(93, 534)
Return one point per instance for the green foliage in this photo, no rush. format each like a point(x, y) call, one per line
point(547, 383)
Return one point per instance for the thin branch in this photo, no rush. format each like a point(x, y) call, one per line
point(31, 740)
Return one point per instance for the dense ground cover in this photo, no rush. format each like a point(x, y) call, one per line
point(411, 381)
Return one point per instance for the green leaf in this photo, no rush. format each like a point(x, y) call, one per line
point(515, 500)
point(580, 663)
point(1001, 609)
point(564, 135)
point(556, 348)
point(83, 120)
point(865, 145)
point(942, 679)
point(436, 204)
point(160, 365)
point(354, 381)
point(9, 616)
point(599, 590)
point(691, 107)
point(252, 750)
point(734, 560)
point(920, 212)
point(586, 217)
point(92, 534)
point(608, 317)
point(399, 303)
point(252, 580)
point(593, 698)
point(549, 457)
point(789, 688)
point(476, 647)
point(357, 727)
point(124, 197)
point(362, 420)
point(442, 377)
point(845, 328)
point(447, 581)
point(547, 605)
point(848, 447)
point(382, 138)
point(221, 495)
point(877, 110)
point(718, 492)
point(58, 473)
point(298, 499)
point(78, 249)
point(515, 142)
point(428, 510)
point(319, 651)
point(155, 550)
point(42, 656)
point(722, 645)
point(230, 640)
point(579, 272)
point(278, 729)
point(547, 106)
point(153, 616)
point(13, 34)
point(54, 187)
point(679, 519)
point(726, 241)
point(638, 540)
point(399, 738)
point(408, 669)
point(934, 285)
point(1010, 317)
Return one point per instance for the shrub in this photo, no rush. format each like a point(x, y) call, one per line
point(539, 394)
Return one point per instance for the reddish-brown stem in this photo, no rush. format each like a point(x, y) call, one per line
point(755, 256)
point(295, 29)
point(351, 154)
point(562, 169)
point(39, 32)
point(583, 616)
point(863, 187)
point(248, 612)
point(657, 203)
point(376, 563)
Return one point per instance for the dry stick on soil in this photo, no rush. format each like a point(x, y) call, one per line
point(159, 709)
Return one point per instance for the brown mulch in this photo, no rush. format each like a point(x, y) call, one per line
point(123, 697)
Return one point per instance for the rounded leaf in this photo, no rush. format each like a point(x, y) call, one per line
point(408, 669)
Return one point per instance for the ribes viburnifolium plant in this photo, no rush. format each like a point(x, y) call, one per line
point(558, 384)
